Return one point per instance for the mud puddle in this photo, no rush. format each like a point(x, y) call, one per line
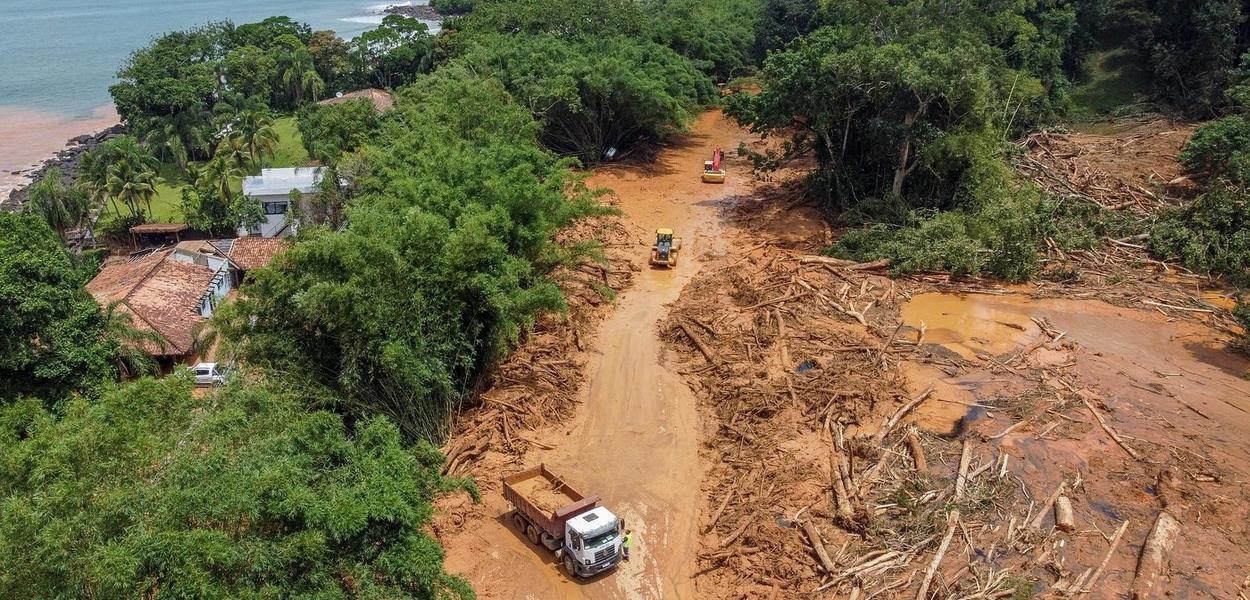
point(1172, 391)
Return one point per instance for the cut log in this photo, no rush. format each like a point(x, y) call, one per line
point(849, 265)
point(813, 537)
point(1153, 554)
point(1065, 520)
point(917, 451)
point(1036, 523)
point(961, 480)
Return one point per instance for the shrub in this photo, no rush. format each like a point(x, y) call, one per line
point(1211, 235)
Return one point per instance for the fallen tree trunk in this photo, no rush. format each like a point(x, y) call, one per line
point(849, 265)
point(711, 356)
point(1153, 555)
point(1088, 586)
point(893, 421)
point(952, 521)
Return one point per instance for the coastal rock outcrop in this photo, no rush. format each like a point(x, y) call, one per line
point(424, 12)
point(67, 160)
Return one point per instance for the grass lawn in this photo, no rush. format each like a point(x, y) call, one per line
point(290, 151)
point(167, 205)
point(1118, 82)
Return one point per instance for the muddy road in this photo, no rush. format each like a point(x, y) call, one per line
point(634, 437)
point(829, 376)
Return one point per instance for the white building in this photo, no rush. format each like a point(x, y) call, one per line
point(272, 189)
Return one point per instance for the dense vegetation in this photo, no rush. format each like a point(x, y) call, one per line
point(438, 270)
point(53, 335)
point(1194, 50)
point(906, 109)
point(314, 474)
point(151, 492)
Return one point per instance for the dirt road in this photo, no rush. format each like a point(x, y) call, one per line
point(635, 437)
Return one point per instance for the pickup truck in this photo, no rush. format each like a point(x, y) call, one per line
point(586, 537)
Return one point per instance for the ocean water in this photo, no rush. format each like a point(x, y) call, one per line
point(58, 57)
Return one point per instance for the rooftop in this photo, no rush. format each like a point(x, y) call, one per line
point(159, 228)
point(253, 252)
point(280, 182)
point(160, 294)
point(382, 100)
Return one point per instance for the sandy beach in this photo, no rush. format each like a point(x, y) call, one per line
point(29, 136)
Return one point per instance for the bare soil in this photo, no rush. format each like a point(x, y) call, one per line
point(773, 424)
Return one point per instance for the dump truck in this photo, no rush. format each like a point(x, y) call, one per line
point(586, 537)
point(664, 251)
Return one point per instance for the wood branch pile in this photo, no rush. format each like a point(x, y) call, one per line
point(813, 487)
point(1136, 171)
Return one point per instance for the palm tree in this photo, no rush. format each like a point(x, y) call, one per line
point(62, 206)
point(131, 360)
point(133, 184)
point(255, 129)
point(233, 150)
point(218, 176)
point(165, 140)
point(312, 85)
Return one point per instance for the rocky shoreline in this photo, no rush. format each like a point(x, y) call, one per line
point(67, 160)
point(424, 12)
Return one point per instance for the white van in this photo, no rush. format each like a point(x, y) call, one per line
point(210, 374)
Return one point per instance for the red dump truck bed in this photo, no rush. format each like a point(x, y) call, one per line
point(545, 499)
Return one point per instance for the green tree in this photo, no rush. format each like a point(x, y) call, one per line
point(133, 181)
point(53, 340)
point(255, 129)
point(592, 95)
point(219, 175)
point(265, 33)
point(132, 358)
point(395, 52)
point(250, 71)
point(296, 74)
point(151, 492)
point(330, 131)
point(62, 206)
point(332, 59)
point(161, 134)
point(438, 271)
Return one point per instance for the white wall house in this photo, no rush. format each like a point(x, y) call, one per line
point(208, 254)
point(272, 189)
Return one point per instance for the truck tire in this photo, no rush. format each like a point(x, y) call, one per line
point(570, 566)
point(531, 533)
point(519, 521)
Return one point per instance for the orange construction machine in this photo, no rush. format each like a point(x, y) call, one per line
point(713, 170)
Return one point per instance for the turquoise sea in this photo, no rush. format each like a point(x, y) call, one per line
point(58, 57)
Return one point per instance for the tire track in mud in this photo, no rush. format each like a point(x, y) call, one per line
point(635, 436)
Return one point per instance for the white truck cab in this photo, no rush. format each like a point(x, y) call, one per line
point(587, 538)
point(592, 542)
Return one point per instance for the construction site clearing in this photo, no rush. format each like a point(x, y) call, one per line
point(866, 436)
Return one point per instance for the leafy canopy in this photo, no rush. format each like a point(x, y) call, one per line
point(152, 492)
point(52, 333)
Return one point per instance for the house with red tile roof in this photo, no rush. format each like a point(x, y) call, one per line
point(172, 290)
point(250, 253)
